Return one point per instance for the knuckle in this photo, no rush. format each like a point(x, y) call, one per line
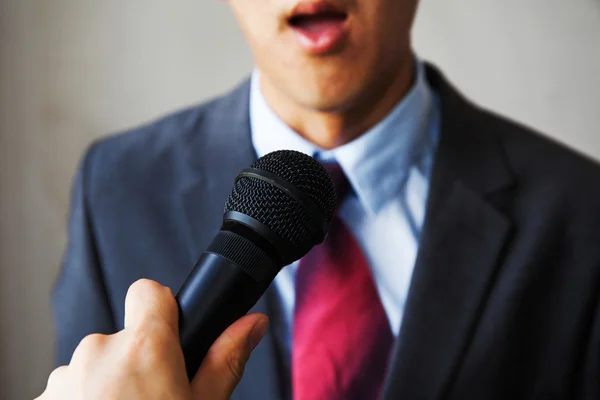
point(88, 350)
point(91, 343)
point(140, 348)
point(148, 291)
point(56, 375)
point(235, 365)
point(169, 301)
point(166, 305)
point(161, 335)
point(148, 347)
point(144, 285)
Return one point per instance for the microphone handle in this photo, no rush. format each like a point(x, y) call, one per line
point(215, 294)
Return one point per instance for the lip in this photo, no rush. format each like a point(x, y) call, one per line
point(315, 7)
point(320, 26)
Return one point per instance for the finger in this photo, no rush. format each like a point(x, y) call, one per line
point(57, 375)
point(223, 366)
point(56, 381)
point(88, 350)
point(150, 302)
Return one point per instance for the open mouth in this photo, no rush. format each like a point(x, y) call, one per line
point(320, 12)
point(320, 26)
point(306, 20)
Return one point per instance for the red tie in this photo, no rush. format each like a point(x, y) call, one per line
point(341, 334)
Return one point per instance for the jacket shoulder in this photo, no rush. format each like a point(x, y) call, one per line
point(533, 159)
point(554, 184)
point(537, 158)
point(141, 147)
point(155, 153)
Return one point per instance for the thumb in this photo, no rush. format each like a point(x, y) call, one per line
point(224, 363)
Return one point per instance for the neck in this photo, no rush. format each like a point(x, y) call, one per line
point(331, 129)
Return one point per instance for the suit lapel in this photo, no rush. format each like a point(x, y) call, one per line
point(216, 150)
point(456, 264)
point(461, 243)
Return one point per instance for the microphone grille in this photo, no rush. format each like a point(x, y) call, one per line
point(306, 174)
point(276, 209)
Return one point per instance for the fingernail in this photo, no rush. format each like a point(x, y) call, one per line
point(258, 332)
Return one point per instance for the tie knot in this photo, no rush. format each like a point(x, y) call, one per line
point(342, 185)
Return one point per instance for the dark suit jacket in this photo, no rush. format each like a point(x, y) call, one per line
point(504, 301)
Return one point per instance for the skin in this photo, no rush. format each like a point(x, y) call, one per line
point(145, 361)
point(330, 99)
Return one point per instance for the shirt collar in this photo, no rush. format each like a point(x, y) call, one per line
point(378, 162)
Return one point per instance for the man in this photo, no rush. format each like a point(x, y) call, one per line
point(471, 242)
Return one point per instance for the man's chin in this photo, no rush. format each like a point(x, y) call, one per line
point(325, 103)
point(325, 96)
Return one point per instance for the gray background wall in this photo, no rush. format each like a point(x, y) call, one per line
point(71, 71)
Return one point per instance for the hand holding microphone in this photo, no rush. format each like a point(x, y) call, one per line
point(278, 210)
point(145, 361)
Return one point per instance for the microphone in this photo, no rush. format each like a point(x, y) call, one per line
point(278, 210)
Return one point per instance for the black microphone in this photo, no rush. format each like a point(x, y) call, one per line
point(278, 210)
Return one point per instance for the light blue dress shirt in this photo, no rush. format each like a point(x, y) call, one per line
point(389, 168)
